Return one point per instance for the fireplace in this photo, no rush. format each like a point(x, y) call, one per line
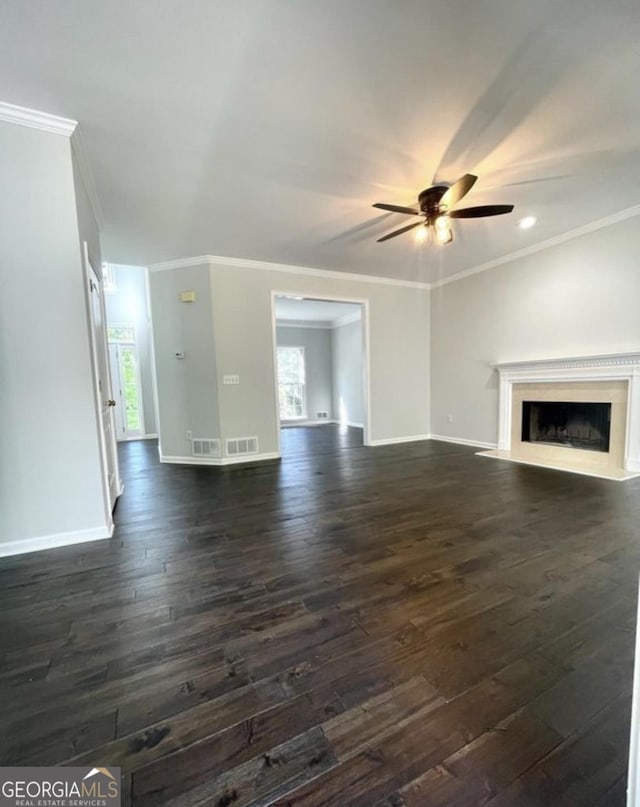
point(576, 414)
point(583, 425)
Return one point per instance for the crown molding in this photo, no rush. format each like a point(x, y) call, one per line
point(321, 325)
point(37, 120)
point(247, 263)
point(570, 235)
point(347, 319)
point(556, 240)
point(179, 263)
point(86, 175)
point(327, 325)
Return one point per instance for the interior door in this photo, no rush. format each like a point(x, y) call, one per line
point(106, 402)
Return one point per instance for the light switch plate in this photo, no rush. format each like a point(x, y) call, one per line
point(230, 379)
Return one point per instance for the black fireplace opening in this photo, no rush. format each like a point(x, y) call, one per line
point(575, 425)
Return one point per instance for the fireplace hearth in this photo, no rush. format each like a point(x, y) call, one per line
point(586, 426)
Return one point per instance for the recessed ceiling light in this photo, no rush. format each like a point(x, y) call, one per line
point(527, 222)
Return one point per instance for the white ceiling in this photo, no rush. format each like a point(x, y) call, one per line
point(265, 129)
point(318, 311)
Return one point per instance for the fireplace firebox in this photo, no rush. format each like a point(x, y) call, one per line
point(575, 425)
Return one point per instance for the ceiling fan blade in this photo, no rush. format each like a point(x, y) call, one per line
point(400, 231)
point(397, 209)
point(479, 212)
point(458, 190)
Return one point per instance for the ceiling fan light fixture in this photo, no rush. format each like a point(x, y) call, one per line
point(437, 206)
point(444, 233)
point(527, 222)
point(421, 234)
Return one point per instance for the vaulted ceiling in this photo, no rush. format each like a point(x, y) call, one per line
point(266, 129)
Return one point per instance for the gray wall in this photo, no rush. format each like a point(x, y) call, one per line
point(50, 478)
point(578, 298)
point(347, 350)
point(399, 343)
point(187, 389)
point(317, 348)
point(241, 344)
point(128, 306)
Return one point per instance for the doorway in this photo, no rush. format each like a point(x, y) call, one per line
point(321, 367)
point(125, 376)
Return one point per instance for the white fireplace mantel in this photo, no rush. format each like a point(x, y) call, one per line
point(612, 367)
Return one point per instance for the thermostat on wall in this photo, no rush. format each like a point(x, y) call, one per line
point(187, 296)
point(179, 354)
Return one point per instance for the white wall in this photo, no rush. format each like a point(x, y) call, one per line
point(128, 306)
point(578, 298)
point(243, 345)
point(317, 350)
point(50, 477)
point(346, 350)
point(187, 389)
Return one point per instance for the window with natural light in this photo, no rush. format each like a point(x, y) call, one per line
point(291, 383)
point(125, 378)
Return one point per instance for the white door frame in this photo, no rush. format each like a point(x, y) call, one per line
point(366, 369)
point(89, 271)
point(136, 355)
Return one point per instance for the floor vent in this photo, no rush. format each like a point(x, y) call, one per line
point(322, 415)
point(239, 446)
point(205, 447)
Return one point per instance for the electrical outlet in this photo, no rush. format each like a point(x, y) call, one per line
point(189, 434)
point(230, 379)
point(449, 418)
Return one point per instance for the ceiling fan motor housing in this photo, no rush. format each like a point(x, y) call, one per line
point(429, 201)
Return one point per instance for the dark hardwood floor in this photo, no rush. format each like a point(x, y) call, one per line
point(405, 625)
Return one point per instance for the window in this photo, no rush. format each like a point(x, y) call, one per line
point(129, 386)
point(108, 279)
point(291, 383)
point(125, 377)
point(121, 333)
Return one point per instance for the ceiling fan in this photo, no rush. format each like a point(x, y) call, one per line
point(435, 211)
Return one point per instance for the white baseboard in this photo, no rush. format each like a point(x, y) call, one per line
point(218, 461)
point(273, 455)
point(389, 441)
point(136, 439)
point(54, 541)
point(290, 424)
point(463, 441)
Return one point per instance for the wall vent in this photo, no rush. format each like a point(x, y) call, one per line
point(322, 415)
point(239, 446)
point(205, 447)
